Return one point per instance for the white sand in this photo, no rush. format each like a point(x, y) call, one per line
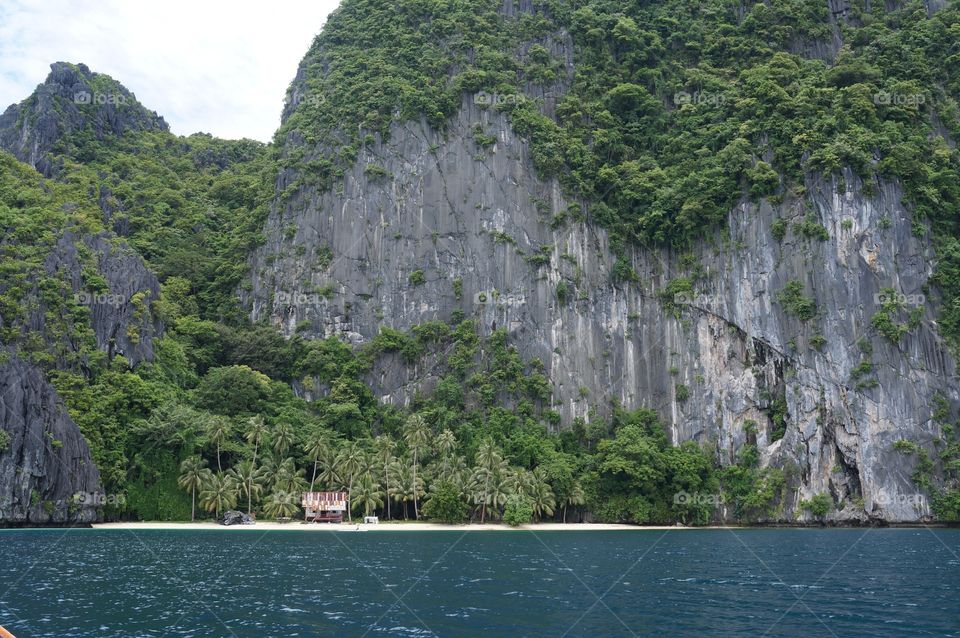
point(395, 526)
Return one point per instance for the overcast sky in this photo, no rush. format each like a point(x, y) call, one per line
point(204, 65)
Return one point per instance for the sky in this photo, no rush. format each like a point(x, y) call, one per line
point(205, 65)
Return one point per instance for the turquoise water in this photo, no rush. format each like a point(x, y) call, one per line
point(680, 583)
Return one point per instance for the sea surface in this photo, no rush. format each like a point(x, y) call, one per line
point(758, 582)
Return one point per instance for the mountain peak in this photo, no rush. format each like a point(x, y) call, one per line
point(73, 99)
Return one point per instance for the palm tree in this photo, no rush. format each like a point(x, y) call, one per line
point(575, 497)
point(218, 429)
point(542, 494)
point(193, 473)
point(348, 463)
point(316, 448)
point(256, 431)
point(407, 486)
point(446, 442)
point(329, 469)
point(521, 481)
point(250, 480)
point(368, 494)
point(219, 493)
point(417, 436)
point(280, 504)
point(283, 438)
point(499, 490)
point(288, 478)
point(490, 471)
point(385, 447)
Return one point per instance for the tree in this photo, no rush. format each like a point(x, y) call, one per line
point(408, 486)
point(218, 429)
point(416, 434)
point(219, 494)
point(283, 438)
point(575, 498)
point(316, 448)
point(489, 477)
point(288, 478)
point(348, 463)
point(541, 494)
point(368, 494)
point(446, 443)
point(250, 480)
point(280, 504)
point(446, 504)
point(518, 511)
point(329, 468)
point(193, 474)
point(385, 447)
point(233, 390)
point(256, 431)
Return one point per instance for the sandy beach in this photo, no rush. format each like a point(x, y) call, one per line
point(396, 526)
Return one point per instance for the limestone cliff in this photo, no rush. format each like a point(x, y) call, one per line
point(427, 223)
point(47, 475)
point(72, 100)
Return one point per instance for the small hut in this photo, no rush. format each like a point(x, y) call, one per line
point(324, 507)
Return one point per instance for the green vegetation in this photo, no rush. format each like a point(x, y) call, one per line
point(818, 506)
point(755, 492)
point(518, 511)
point(417, 278)
point(677, 111)
point(944, 491)
point(811, 228)
point(795, 303)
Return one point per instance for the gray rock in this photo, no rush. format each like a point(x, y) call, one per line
point(233, 517)
point(64, 104)
point(456, 211)
point(46, 473)
point(121, 316)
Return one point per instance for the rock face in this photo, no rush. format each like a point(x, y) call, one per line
point(46, 473)
point(233, 517)
point(120, 316)
point(438, 208)
point(88, 100)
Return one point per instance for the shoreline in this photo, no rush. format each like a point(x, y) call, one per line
point(424, 526)
point(299, 526)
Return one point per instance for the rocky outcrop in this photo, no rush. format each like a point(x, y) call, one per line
point(723, 360)
point(234, 517)
point(72, 100)
point(120, 314)
point(47, 475)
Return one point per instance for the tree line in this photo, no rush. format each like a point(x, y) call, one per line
point(420, 475)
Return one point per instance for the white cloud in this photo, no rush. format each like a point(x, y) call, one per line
point(212, 66)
